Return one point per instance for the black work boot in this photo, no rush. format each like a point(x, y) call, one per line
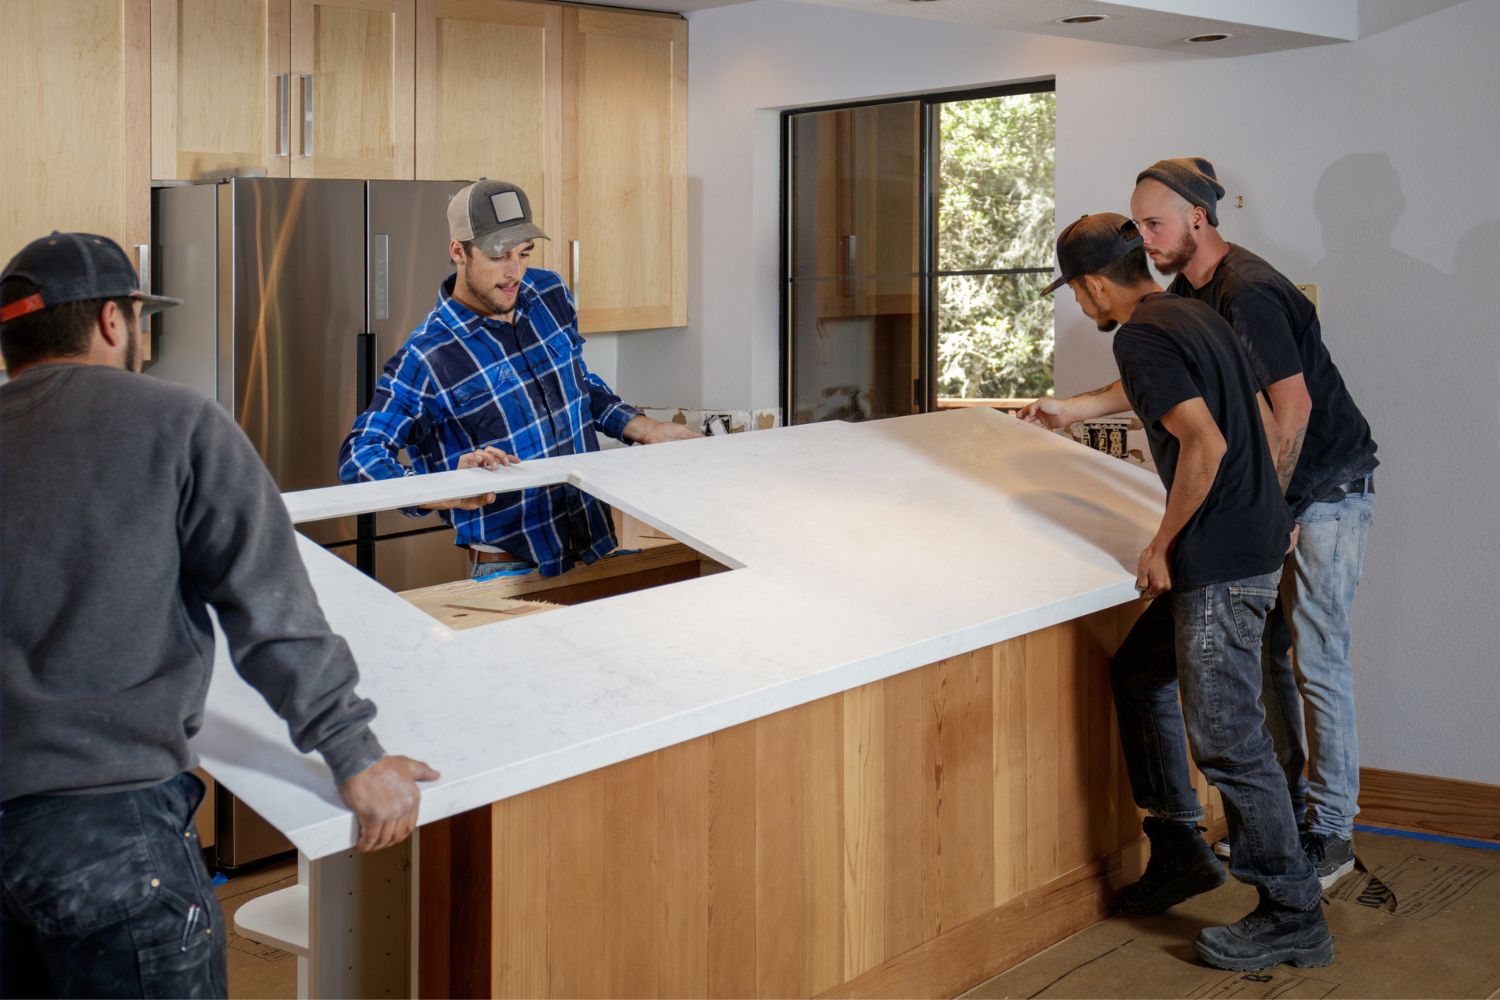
point(1181, 866)
point(1269, 935)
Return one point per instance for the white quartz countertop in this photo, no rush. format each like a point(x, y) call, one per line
point(857, 551)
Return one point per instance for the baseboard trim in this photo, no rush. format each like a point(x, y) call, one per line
point(1430, 804)
point(989, 944)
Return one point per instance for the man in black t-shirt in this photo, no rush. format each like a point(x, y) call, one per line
point(1325, 460)
point(1213, 567)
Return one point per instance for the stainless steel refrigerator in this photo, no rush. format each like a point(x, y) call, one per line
point(296, 292)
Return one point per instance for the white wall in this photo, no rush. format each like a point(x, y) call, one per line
point(1369, 168)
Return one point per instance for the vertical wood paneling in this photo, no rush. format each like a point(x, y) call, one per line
point(799, 848)
point(575, 886)
point(966, 855)
point(435, 904)
point(864, 829)
point(732, 836)
point(1008, 740)
point(1076, 668)
point(522, 838)
point(911, 831)
point(682, 901)
point(814, 847)
point(1100, 749)
point(822, 789)
point(631, 878)
point(1042, 771)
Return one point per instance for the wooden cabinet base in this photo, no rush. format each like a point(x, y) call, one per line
point(910, 837)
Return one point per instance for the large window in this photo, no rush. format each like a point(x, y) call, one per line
point(918, 237)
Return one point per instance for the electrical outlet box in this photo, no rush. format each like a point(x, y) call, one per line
point(724, 420)
point(1311, 291)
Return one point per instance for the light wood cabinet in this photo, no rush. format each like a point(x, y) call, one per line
point(299, 88)
point(625, 168)
point(77, 79)
point(220, 88)
point(489, 94)
point(353, 73)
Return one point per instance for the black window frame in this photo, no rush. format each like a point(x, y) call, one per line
point(928, 273)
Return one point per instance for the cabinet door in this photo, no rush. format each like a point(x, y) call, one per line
point(76, 75)
point(489, 91)
point(625, 167)
point(352, 83)
point(220, 88)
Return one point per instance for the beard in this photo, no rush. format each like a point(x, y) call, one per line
point(1172, 261)
point(489, 298)
point(1104, 325)
point(132, 344)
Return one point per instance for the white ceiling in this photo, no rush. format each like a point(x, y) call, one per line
point(1253, 25)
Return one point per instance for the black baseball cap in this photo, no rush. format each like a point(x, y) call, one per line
point(1091, 244)
point(73, 267)
point(494, 214)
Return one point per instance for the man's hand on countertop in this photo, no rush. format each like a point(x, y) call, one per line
point(644, 430)
point(488, 458)
point(385, 797)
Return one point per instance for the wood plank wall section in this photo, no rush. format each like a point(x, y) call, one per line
point(941, 819)
point(1433, 805)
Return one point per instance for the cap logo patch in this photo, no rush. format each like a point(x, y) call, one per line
point(507, 206)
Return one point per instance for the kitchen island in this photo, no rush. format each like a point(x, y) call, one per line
point(874, 756)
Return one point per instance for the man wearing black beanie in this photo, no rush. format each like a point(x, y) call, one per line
point(1325, 460)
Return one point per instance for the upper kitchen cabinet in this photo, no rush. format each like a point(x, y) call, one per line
point(489, 92)
point(77, 80)
point(625, 168)
point(299, 88)
point(353, 78)
point(221, 88)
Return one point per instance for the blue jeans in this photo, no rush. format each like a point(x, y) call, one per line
point(495, 570)
point(1310, 712)
point(1214, 634)
point(108, 896)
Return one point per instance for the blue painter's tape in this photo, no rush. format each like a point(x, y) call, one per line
point(1483, 845)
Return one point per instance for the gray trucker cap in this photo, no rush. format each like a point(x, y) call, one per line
point(494, 214)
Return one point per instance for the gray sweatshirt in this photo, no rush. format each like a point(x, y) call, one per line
point(128, 506)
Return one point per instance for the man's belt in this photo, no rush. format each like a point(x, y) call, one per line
point(1334, 494)
point(481, 556)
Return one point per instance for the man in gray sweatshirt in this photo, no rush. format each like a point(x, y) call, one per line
point(128, 508)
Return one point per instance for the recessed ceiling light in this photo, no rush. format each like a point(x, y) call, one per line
point(1212, 36)
point(1082, 18)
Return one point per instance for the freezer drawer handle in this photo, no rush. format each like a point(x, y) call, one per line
point(284, 115)
point(307, 114)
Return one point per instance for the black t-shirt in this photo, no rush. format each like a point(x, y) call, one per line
point(1279, 328)
point(1172, 350)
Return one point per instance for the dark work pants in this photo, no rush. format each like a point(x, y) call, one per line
point(107, 896)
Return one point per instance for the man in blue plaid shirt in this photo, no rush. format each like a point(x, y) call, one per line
point(496, 375)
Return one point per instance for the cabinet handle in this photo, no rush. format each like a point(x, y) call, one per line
point(143, 267)
point(307, 114)
point(575, 246)
point(284, 114)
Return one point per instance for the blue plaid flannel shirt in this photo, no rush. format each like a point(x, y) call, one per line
point(461, 383)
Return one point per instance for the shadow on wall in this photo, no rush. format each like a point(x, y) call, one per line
point(1420, 351)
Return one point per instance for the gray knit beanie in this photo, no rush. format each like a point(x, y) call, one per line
point(1193, 178)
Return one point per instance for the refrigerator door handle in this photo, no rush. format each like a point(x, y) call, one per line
point(284, 114)
point(307, 114)
point(143, 266)
point(574, 275)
